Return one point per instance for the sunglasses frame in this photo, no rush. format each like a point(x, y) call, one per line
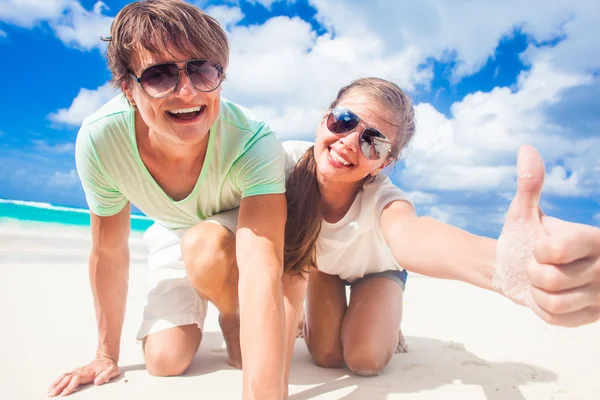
point(219, 69)
point(379, 135)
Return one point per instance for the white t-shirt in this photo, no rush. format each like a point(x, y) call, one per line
point(354, 246)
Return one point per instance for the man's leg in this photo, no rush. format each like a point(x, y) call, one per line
point(208, 251)
point(170, 352)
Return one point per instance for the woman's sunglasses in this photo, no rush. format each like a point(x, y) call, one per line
point(373, 143)
point(161, 80)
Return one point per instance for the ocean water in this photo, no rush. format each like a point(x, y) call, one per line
point(45, 212)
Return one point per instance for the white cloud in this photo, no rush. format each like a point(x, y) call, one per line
point(72, 23)
point(44, 146)
point(81, 28)
point(28, 13)
point(3, 34)
point(86, 103)
point(228, 17)
point(289, 74)
point(558, 183)
point(470, 30)
point(597, 217)
point(476, 148)
point(63, 180)
point(418, 197)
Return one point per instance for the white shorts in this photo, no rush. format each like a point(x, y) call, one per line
point(171, 300)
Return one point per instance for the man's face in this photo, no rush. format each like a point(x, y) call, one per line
point(164, 116)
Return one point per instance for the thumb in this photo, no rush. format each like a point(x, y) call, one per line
point(530, 173)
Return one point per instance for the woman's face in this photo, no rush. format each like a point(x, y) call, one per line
point(338, 156)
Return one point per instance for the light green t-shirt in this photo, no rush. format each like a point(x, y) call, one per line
point(244, 158)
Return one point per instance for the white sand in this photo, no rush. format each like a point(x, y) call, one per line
point(465, 343)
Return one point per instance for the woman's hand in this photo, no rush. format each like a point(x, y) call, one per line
point(550, 265)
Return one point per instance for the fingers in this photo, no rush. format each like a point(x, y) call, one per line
point(106, 375)
point(567, 242)
point(566, 302)
point(583, 316)
point(531, 172)
point(73, 384)
point(58, 385)
point(558, 278)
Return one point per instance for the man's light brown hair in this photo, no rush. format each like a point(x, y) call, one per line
point(159, 26)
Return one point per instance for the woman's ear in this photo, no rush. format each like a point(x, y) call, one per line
point(387, 162)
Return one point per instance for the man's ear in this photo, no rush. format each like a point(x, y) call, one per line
point(126, 87)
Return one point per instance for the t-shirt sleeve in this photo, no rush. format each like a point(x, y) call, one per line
point(101, 192)
point(294, 150)
point(260, 170)
point(387, 193)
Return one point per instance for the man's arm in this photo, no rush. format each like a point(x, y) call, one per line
point(259, 250)
point(433, 248)
point(109, 276)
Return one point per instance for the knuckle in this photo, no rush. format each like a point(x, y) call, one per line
point(551, 280)
point(558, 251)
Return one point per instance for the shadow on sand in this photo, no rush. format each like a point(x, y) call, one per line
point(428, 365)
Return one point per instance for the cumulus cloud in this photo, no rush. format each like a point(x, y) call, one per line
point(86, 103)
point(228, 17)
point(469, 32)
point(475, 149)
point(28, 13)
point(81, 28)
point(63, 180)
point(72, 23)
point(44, 146)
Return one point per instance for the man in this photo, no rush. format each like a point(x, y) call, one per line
point(188, 159)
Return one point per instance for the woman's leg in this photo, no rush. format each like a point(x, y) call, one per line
point(371, 325)
point(325, 308)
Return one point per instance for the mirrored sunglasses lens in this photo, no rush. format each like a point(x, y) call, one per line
point(374, 144)
point(159, 80)
point(341, 120)
point(205, 75)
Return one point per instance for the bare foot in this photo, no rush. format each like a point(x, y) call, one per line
point(230, 326)
point(401, 346)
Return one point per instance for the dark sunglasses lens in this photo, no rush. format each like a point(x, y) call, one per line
point(205, 75)
point(373, 144)
point(341, 120)
point(159, 80)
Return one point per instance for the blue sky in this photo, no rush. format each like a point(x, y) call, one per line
point(484, 78)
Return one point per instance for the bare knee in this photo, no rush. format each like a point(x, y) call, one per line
point(208, 252)
point(164, 362)
point(366, 360)
point(326, 358)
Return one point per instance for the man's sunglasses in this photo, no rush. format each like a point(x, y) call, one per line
point(161, 80)
point(373, 143)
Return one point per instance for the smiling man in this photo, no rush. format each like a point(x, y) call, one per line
point(210, 175)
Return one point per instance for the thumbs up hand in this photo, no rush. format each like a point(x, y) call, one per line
point(550, 265)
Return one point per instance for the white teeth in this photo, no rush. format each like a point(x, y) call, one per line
point(338, 158)
point(185, 110)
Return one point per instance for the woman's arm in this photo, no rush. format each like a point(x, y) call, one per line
point(433, 248)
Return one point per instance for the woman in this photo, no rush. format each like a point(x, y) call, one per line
point(358, 229)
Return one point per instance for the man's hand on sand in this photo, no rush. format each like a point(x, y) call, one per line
point(550, 265)
point(99, 371)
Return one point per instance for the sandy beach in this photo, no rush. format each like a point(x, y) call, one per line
point(465, 343)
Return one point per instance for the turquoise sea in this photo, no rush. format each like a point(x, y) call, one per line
point(45, 212)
